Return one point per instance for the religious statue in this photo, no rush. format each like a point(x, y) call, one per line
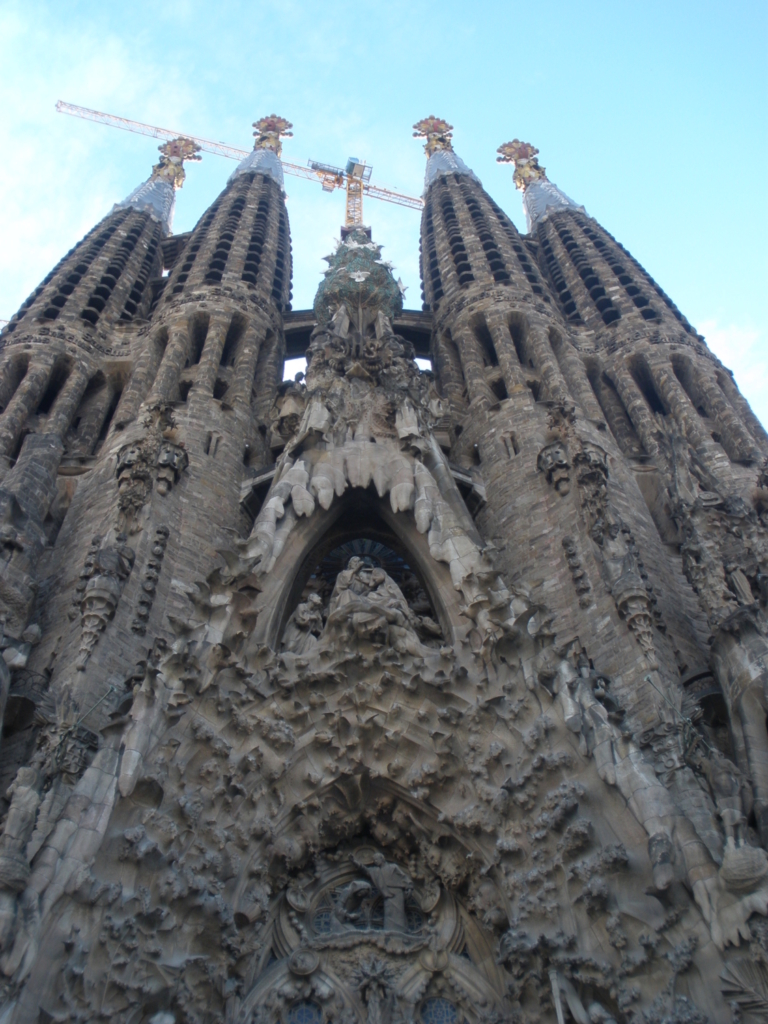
point(304, 626)
point(393, 884)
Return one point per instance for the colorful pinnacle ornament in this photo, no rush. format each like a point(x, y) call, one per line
point(269, 131)
point(524, 156)
point(436, 131)
point(170, 167)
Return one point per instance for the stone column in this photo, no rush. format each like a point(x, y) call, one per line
point(447, 367)
point(23, 404)
point(246, 359)
point(636, 407)
point(92, 420)
point(144, 373)
point(736, 439)
point(211, 356)
point(514, 376)
point(741, 405)
point(544, 359)
point(269, 377)
point(10, 378)
point(65, 406)
point(686, 417)
point(472, 364)
point(575, 375)
point(174, 359)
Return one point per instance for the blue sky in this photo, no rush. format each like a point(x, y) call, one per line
point(652, 114)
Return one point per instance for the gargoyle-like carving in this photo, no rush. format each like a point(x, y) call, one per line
point(171, 462)
point(553, 462)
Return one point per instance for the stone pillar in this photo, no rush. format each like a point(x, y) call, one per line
point(10, 378)
point(472, 364)
point(271, 371)
point(686, 417)
point(741, 405)
point(246, 359)
point(210, 359)
point(736, 439)
point(92, 420)
point(544, 359)
point(23, 404)
point(65, 406)
point(447, 367)
point(514, 376)
point(144, 373)
point(33, 479)
point(174, 359)
point(637, 410)
point(575, 374)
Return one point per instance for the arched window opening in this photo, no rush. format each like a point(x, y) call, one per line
point(684, 372)
point(438, 1011)
point(56, 382)
point(518, 328)
point(218, 262)
point(199, 332)
point(13, 376)
point(433, 265)
point(92, 411)
point(556, 276)
point(282, 273)
point(644, 380)
point(232, 340)
point(499, 388)
point(191, 250)
point(107, 421)
point(86, 255)
point(485, 341)
point(305, 1012)
point(613, 409)
point(455, 240)
point(256, 245)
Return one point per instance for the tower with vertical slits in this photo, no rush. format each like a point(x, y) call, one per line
point(383, 694)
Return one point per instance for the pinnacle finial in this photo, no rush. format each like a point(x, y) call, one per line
point(170, 167)
point(524, 156)
point(269, 132)
point(436, 131)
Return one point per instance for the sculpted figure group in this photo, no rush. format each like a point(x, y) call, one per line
point(366, 605)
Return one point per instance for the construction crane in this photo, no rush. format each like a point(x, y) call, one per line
point(355, 177)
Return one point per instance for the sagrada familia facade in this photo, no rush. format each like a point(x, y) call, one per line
point(380, 696)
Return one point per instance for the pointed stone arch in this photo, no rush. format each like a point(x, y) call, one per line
point(359, 513)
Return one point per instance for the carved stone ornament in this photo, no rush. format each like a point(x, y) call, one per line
point(553, 462)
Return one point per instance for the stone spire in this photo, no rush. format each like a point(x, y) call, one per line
point(157, 195)
point(540, 196)
point(359, 279)
point(441, 159)
point(265, 158)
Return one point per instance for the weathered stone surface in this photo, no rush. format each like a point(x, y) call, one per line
point(380, 695)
